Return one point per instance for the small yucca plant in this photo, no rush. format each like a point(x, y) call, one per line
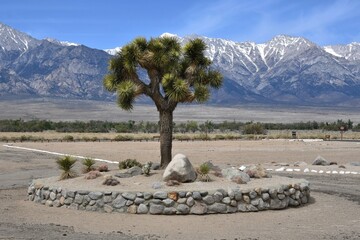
point(88, 165)
point(66, 164)
point(203, 171)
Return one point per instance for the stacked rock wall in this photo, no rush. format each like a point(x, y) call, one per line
point(175, 202)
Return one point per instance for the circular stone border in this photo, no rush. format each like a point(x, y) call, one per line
point(231, 200)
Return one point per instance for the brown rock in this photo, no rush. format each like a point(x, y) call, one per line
point(173, 183)
point(173, 196)
point(238, 180)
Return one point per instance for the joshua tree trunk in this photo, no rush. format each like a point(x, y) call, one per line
point(166, 128)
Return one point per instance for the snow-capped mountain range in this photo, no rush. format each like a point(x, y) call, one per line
point(286, 69)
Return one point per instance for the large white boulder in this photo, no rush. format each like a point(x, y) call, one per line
point(180, 169)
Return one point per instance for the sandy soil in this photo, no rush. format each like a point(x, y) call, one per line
point(334, 211)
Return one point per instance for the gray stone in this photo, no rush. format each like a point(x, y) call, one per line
point(300, 164)
point(134, 171)
point(160, 195)
point(57, 203)
point(246, 198)
point(252, 208)
point(242, 207)
point(52, 196)
point(100, 203)
point(230, 209)
point(203, 193)
point(92, 202)
point(168, 202)
point(190, 201)
point(230, 173)
point(79, 199)
point(209, 200)
point(180, 169)
point(142, 209)
point(114, 195)
point(292, 191)
point(217, 208)
point(252, 194)
point(83, 192)
point(238, 194)
point(293, 202)
point(304, 200)
point(188, 194)
point(95, 195)
point(281, 196)
point(218, 196)
point(119, 202)
point(91, 208)
point(169, 211)
point(132, 209)
point(156, 209)
point(265, 196)
point(129, 196)
point(182, 209)
point(261, 204)
point(356, 164)
point(156, 201)
point(231, 193)
point(70, 194)
point(155, 166)
point(255, 202)
point(278, 204)
point(49, 203)
point(129, 202)
point(74, 206)
point(182, 194)
point(280, 190)
point(108, 208)
point(147, 195)
point(68, 201)
point(198, 209)
point(226, 200)
point(223, 192)
point(156, 185)
point(273, 193)
point(140, 194)
point(319, 160)
point(196, 195)
point(182, 200)
point(138, 201)
point(233, 203)
point(107, 199)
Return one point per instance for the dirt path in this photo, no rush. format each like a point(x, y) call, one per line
point(334, 211)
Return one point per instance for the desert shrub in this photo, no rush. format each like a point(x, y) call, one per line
point(203, 171)
point(129, 163)
point(147, 168)
point(103, 168)
point(88, 165)
point(68, 138)
point(182, 137)
point(123, 138)
point(85, 138)
point(219, 137)
point(66, 164)
point(202, 137)
point(254, 128)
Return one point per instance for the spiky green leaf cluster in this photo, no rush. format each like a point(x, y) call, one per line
point(176, 73)
point(66, 164)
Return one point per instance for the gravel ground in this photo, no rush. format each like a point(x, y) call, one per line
point(333, 213)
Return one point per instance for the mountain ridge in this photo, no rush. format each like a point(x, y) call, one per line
point(284, 70)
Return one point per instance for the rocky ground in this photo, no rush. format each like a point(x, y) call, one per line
point(333, 212)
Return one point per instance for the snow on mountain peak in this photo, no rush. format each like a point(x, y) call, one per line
point(62, 43)
point(169, 35)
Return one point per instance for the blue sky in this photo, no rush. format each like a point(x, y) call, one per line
point(110, 23)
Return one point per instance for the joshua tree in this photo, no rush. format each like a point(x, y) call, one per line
point(176, 74)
